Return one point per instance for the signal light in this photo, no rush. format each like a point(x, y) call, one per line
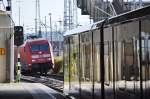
point(18, 35)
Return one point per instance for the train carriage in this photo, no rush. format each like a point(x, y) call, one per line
point(109, 59)
point(36, 56)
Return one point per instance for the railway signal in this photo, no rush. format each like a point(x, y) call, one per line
point(18, 35)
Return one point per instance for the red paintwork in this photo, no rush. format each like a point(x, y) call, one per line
point(26, 53)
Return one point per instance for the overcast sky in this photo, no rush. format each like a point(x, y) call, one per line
point(27, 8)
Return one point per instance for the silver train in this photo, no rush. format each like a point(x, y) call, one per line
point(109, 59)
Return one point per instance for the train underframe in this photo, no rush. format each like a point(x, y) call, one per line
point(38, 68)
point(43, 68)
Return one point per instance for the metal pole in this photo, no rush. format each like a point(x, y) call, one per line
point(19, 10)
point(36, 17)
point(50, 23)
point(18, 66)
point(19, 14)
point(46, 28)
point(59, 36)
point(69, 14)
point(39, 17)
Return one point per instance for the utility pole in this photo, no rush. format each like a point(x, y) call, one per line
point(19, 7)
point(59, 36)
point(19, 13)
point(60, 25)
point(50, 24)
point(45, 28)
point(38, 19)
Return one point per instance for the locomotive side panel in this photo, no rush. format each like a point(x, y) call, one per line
point(25, 57)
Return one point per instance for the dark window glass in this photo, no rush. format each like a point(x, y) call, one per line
point(34, 47)
point(39, 47)
point(44, 47)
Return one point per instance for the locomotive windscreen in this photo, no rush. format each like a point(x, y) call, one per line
point(39, 47)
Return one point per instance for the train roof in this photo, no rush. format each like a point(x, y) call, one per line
point(34, 40)
point(81, 29)
point(138, 13)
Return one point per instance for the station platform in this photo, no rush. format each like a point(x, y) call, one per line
point(28, 91)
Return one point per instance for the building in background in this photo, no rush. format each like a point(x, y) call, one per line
point(101, 9)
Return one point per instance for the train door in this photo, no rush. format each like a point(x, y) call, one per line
point(145, 57)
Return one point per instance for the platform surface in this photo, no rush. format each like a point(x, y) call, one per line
point(27, 91)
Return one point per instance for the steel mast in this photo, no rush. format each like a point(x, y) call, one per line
point(38, 19)
point(70, 14)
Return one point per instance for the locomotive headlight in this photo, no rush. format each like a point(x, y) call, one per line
point(35, 56)
point(46, 55)
point(33, 60)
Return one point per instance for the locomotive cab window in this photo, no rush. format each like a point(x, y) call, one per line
point(44, 47)
point(41, 47)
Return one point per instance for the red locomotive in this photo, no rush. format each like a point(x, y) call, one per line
point(36, 55)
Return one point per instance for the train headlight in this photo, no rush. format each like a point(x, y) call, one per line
point(33, 60)
point(35, 56)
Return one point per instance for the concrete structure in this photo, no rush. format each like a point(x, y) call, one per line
point(6, 48)
point(101, 9)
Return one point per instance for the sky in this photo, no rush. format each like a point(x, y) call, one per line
point(27, 12)
point(56, 7)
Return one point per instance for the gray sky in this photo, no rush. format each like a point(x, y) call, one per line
point(27, 8)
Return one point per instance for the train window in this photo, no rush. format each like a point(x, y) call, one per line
point(145, 62)
point(107, 60)
point(126, 57)
point(96, 62)
point(108, 55)
point(74, 62)
point(44, 47)
point(128, 47)
point(86, 72)
point(85, 37)
point(96, 55)
point(66, 65)
point(39, 47)
point(34, 47)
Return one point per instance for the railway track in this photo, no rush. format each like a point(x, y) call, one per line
point(52, 81)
